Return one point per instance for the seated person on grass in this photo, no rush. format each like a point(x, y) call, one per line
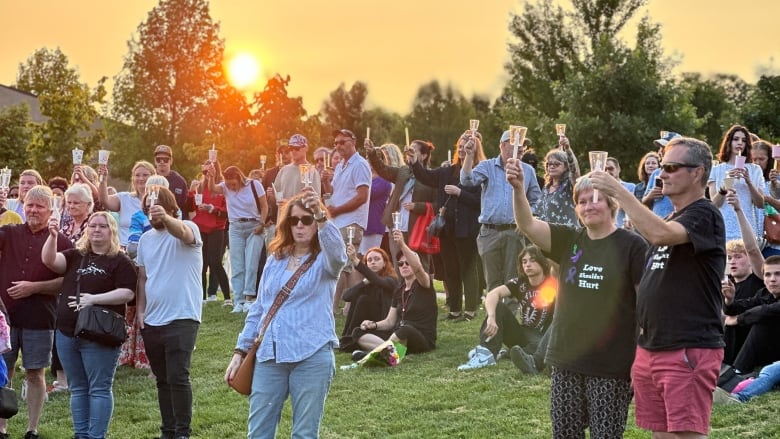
point(768, 379)
point(524, 332)
point(411, 320)
point(372, 297)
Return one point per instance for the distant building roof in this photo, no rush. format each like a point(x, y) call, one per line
point(10, 96)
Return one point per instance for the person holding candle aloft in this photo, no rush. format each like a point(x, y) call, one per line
point(735, 162)
point(458, 237)
point(498, 242)
point(761, 155)
point(561, 170)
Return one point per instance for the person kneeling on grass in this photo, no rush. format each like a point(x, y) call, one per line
point(525, 331)
point(411, 320)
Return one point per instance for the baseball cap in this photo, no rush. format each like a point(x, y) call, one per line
point(298, 141)
point(344, 132)
point(666, 137)
point(163, 149)
point(505, 138)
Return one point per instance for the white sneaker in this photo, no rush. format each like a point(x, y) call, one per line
point(212, 298)
point(238, 307)
point(247, 305)
point(482, 358)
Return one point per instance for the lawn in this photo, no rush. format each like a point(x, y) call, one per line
point(424, 397)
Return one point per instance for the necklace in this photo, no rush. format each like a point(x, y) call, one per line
point(297, 260)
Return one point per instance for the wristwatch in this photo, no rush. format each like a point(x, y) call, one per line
point(321, 217)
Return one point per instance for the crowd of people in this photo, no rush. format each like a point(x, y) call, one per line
point(579, 272)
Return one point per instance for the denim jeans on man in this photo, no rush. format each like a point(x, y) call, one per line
point(245, 249)
point(90, 368)
point(169, 349)
point(307, 382)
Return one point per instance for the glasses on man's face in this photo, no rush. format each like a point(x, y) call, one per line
point(672, 167)
point(553, 164)
point(403, 264)
point(307, 220)
point(342, 141)
point(162, 159)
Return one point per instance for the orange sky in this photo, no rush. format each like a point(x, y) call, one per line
point(392, 46)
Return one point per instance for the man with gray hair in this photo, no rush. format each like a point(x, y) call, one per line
point(679, 302)
point(28, 291)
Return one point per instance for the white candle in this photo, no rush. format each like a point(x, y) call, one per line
point(350, 233)
point(368, 133)
point(406, 131)
point(449, 155)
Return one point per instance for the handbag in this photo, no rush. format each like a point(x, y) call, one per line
point(434, 229)
point(97, 323)
point(242, 380)
point(418, 240)
point(9, 405)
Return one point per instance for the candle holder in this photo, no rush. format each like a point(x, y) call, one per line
point(598, 161)
point(397, 220)
point(263, 158)
point(78, 155)
point(560, 129)
point(305, 175)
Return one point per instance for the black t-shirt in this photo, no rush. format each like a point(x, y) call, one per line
point(679, 303)
point(534, 305)
point(594, 326)
point(417, 308)
point(178, 186)
point(100, 274)
point(748, 287)
point(21, 261)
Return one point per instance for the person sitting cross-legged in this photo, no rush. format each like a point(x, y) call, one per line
point(524, 331)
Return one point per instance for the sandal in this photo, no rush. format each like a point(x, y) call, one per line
point(227, 302)
point(55, 387)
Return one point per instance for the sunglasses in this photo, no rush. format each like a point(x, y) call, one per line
point(403, 263)
point(672, 167)
point(307, 220)
point(162, 159)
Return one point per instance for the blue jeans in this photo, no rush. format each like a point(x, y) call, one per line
point(245, 249)
point(307, 382)
point(169, 349)
point(767, 378)
point(90, 367)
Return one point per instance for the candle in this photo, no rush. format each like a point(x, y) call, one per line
point(350, 234)
point(406, 131)
point(213, 154)
point(397, 220)
point(368, 133)
point(263, 158)
point(327, 160)
point(449, 155)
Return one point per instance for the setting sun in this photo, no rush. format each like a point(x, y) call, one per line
point(243, 70)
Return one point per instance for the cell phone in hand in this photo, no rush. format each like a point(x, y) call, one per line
point(659, 183)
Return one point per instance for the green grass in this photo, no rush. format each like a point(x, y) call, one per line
point(424, 397)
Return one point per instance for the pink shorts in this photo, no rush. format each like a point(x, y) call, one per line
point(673, 389)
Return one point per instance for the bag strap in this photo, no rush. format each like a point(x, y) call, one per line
point(443, 207)
point(282, 296)
point(257, 200)
point(78, 279)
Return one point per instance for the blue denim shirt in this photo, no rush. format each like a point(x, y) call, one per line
point(304, 323)
point(662, 207)
point(497, 192)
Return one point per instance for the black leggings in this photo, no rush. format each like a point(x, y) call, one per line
point(213, 251)
point(415, 341)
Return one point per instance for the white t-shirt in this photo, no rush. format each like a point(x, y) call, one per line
point(348, 176)
point(173, 284)
point(128, 205)
point(242, 204)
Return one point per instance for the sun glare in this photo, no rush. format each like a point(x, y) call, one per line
point(243, 70)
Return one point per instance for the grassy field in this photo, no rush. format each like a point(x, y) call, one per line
point(425, 397)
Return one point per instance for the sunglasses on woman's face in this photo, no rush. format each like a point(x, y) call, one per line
point(403, 263)
point(307, 220)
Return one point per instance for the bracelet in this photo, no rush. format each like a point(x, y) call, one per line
point(240, 352)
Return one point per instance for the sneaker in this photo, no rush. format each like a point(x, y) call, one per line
point(523, 360)
point(454, 317)
point(238, 307)
point(227, 303)
point(472, 353)
point(501, 354)
point(247, 306)
point(469, 316)
point(482, 358)
point(720, 396)
point(358, 355)
point(212, 298)
point(31, 435)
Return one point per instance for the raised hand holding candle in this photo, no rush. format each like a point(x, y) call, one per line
point(473, 126)
point(103, 160)
point(77, 156)
point(598, 161)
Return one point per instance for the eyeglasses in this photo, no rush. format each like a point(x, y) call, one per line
point(307, 220)
point(403, 263)
point(553, 164)
point(342, 141)
point(162, 159)
point(672, 167)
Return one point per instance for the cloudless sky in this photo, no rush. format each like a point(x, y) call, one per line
point(393, 46)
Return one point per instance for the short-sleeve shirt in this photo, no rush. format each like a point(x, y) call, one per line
point(241, 203)
point(21, 260)
point(679, 301)
point(288, 180)
point(534, 309)
point(173, 270)
point(129, 204)
point(594, 326)
point(99, 274)
point(752, 213)
point(348, 176)
point(417, 308)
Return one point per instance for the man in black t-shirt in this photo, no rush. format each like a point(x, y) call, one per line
point(679, 301)
point(163, 159)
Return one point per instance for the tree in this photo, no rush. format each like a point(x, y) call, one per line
point(344, 109)
point(15, 136)
point(761, 112)
point(70, 107)
point(172, 86)
point(714, 100)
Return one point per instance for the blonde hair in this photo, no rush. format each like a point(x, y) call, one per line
point(84, 245)
point(584, 183)
point(157, 180)
point(393, 155)
point(736, 246)
point(140, 164)
point(32, 172)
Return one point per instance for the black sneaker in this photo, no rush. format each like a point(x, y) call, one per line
point(523, 360)
point(469, 316)
point(31, 435)
point(358, 355)
point(454, 317)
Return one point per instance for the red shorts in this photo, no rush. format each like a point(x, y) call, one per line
point(673, 389)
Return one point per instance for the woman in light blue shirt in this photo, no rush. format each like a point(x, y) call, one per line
point(295, 357)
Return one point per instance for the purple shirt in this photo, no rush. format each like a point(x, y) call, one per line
point(380, 192)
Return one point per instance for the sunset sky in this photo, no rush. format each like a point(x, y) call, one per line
point(392, 46)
